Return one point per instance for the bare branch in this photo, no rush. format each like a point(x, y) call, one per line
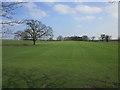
point(12, 22)
point(12, 4)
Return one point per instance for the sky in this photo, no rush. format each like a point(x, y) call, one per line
point(72, 18)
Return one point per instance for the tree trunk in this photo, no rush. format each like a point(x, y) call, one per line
point(107, 40)
point(33, 42)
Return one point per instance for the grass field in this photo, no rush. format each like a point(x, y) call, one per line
point(65, 64)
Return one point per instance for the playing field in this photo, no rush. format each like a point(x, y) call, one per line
point(63, 64)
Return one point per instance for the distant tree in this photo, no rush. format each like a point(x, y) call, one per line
point(50, 39)
point(18, 35)
point(102, 37)
point(6, 32)
point(35, 29)
point(60, 38)
point(66, 38)
point(85, 38)
point(107, 38)
point(21, 35)
point(92, 38)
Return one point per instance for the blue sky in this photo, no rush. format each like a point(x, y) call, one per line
point(72, 19)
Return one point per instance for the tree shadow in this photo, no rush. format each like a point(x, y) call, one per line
point(15, 45)
point(32, 79)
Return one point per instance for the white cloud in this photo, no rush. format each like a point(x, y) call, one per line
point(112, 10)
point(88, 9)
point(84, 18)
point(64, 9)
point(34, 11)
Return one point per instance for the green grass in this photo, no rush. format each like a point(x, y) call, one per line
point(67, 64)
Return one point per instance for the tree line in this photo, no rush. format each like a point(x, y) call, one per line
point(35, 30)
point(102, 37)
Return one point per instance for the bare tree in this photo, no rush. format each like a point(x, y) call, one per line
point(107, 38)
point(92, 38)
point(7, 9)
point(21, 35)
point(6, 12)
point(36, 30)
point(103, 37)
point(85, 38)
point(60, 38)
point(18, 35)
point(6, 32)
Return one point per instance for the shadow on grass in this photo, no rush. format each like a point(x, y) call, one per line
point(105, 82)
point(31, 79)
point(12, 45)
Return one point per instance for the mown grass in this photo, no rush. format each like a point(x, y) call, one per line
point(66, 64)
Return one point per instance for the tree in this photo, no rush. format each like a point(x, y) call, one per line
point(60, 38)
point(18, 35)
point(103, 37)
point(85, 38)
point(7, 9)
point(6, 32)
point(92, 38)
point(35, 29)
point(21, 35)
point(51, 37)
point(47, 37)
point(107, 38)
point(6, 12)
